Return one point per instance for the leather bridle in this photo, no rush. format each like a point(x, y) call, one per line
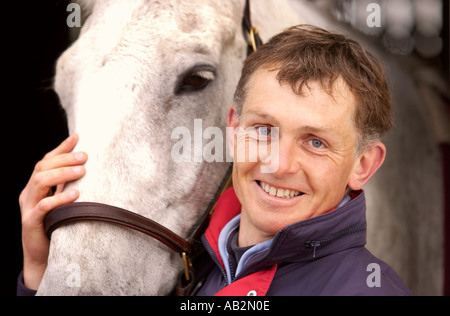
point(187, 248)
point(89, 211)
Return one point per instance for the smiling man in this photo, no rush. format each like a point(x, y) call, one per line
point(301, 229)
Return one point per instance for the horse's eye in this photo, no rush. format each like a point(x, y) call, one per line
point(196, 81)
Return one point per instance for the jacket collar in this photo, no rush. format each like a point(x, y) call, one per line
point(227, 208)
point(324, 235)
point(308, 240)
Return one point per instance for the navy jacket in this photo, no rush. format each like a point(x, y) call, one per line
point(323, 256)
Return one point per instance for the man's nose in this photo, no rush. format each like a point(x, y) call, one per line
point(283, 159)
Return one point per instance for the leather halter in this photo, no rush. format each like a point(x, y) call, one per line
point(187, 248)
point(88, 211)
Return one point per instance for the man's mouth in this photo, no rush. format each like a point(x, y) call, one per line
point(280, 193)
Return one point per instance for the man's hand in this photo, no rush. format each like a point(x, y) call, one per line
point(37, 200)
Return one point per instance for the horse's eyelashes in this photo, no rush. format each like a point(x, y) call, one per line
point(195, 81)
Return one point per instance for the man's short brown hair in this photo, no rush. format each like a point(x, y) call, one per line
point(304, 53)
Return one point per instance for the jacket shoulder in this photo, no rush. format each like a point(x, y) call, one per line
point(372, 276)
point(355, 272)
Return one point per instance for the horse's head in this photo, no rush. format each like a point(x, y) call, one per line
point(139, 70)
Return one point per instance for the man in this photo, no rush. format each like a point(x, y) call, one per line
point(301, 229)
point(294, 223)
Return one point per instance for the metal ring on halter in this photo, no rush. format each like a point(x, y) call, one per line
point(253, 33)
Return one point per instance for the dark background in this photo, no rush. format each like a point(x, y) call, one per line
point(34, 36)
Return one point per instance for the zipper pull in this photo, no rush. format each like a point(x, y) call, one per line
point(313, 245)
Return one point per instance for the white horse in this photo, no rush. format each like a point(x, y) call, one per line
point(142, 68)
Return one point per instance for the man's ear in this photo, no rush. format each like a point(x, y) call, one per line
point(233, 123)
point(366, 165)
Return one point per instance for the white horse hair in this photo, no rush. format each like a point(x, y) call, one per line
point(123, 86)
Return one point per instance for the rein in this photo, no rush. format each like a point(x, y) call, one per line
point(187, 248)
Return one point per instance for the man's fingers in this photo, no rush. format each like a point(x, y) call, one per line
point(51, 178)
point(59, 189)
point(48, 204)
point(66, 146)
point(61, 160)
point(41, 183)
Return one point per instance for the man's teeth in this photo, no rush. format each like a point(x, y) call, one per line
point(281, 193)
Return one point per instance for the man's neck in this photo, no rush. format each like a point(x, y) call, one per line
point(249, 235)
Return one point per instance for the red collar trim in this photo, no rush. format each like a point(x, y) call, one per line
point(228, 207)
point(256, 284)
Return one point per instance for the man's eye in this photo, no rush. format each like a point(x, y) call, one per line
point(264, 131)
point(316, 143)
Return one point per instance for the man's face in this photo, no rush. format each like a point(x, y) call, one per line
point(317, 142)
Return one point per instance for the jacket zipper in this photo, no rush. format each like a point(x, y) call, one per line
point(315, 244)
point(320, 243)
point(216, 261)
point(308, 245)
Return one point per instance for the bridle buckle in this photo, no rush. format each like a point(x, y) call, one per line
point(187, 266)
